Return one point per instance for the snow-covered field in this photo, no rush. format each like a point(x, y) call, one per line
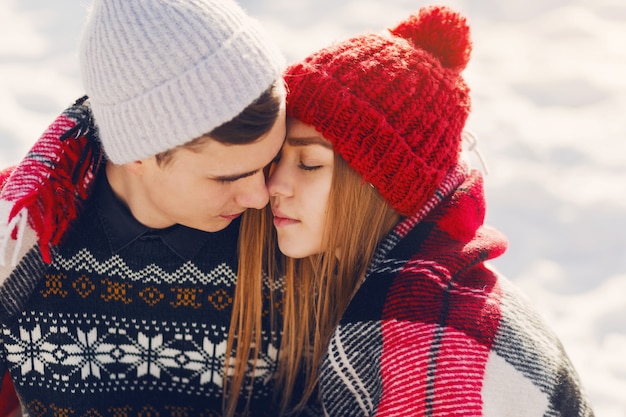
point(548, 80)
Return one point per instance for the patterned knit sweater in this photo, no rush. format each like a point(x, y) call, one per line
point(433, 331)
point(105, 329)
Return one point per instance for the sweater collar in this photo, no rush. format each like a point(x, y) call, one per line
point(122, 229)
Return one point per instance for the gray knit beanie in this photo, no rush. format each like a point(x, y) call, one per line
point(160, 73)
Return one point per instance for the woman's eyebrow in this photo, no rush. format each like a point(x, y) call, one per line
point(309, 140)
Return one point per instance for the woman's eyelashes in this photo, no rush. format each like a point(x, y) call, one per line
point(306, 167)
point(303, 161)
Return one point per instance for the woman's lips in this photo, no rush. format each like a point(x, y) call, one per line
point(281, 219)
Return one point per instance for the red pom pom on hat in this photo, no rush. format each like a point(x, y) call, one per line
point(442, 32)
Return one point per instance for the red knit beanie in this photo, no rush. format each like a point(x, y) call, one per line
point(393, 105)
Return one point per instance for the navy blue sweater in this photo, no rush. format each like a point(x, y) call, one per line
point(125, 320)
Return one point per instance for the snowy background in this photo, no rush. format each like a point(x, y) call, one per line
point(548, 79)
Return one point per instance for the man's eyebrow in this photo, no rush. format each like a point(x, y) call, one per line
point(309, 140)
point(235, 177)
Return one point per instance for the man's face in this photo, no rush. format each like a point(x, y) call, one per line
point(210, 186)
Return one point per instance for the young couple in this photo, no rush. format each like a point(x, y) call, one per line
point(131, 284)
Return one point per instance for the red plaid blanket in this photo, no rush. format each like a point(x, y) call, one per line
point(434, 331)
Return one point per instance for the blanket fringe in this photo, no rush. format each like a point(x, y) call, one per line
point(11, 229)
point(47, 189)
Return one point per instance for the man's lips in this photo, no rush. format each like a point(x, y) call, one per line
point(230, 216)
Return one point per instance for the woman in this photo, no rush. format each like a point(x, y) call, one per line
point(390, 308)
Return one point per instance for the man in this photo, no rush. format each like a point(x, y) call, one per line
point(118, 231)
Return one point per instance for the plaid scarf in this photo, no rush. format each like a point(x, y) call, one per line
point(43, 193)
point(433, 331)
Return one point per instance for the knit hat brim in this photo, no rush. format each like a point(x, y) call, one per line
point(374, 148)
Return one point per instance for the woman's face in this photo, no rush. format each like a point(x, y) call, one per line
point(299, 185)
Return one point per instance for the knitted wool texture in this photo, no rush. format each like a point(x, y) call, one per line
point(160, 73)
point(393, 106)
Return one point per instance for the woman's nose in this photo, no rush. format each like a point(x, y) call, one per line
point(278, 181)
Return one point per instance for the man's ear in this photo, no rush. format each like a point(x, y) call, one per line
point(136, 167)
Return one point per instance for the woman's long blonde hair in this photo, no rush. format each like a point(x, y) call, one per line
point(317, 289)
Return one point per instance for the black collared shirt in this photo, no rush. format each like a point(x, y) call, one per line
point(122, 229)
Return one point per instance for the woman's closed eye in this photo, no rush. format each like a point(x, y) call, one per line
point(310, 167)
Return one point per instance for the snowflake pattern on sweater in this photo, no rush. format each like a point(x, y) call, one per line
point(125, 330)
